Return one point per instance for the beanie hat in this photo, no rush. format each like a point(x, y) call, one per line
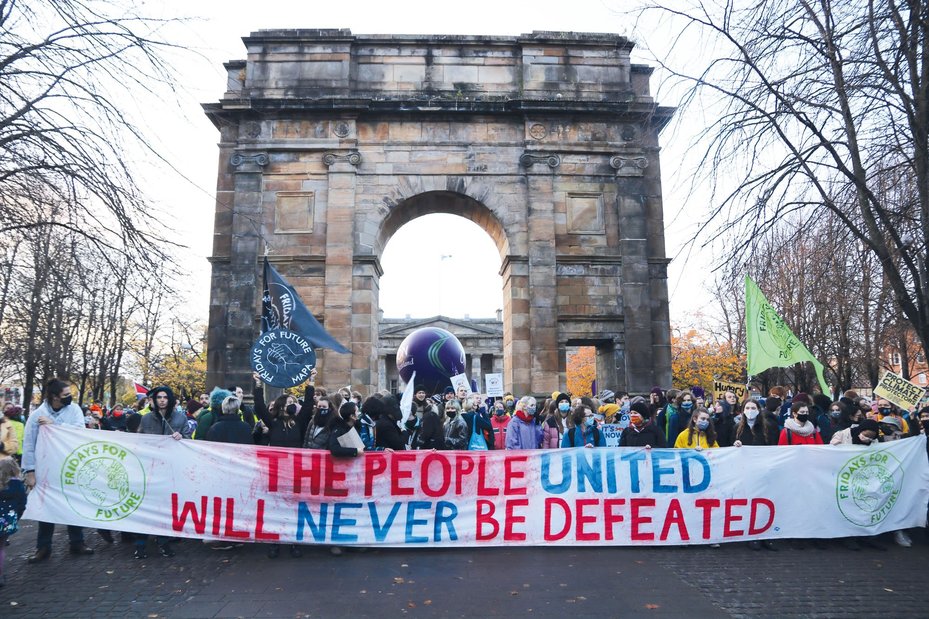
point(509, 398)
point(802, 397)
point(609, 409)
point(419, 388)
point(437, 398)
point(657, 391)
point(193, 406)
point(640, 408)
point(217, 396)
point(561, 397)
point(449, 390)
point(698, 392)
point(823, 402)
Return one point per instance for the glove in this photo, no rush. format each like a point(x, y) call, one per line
point(29, 480)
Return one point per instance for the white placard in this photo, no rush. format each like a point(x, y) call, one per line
point(493, 385)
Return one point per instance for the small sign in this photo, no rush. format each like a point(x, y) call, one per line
point(899, 390)
point(720, 387)
point(283, 358)
point(493, 385)
point(460, 381)
point(611, 433)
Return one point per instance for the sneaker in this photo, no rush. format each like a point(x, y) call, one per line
point(274, 551)
point(140, 553)
point(902, 539)
point(295, 552)
point(166, 550)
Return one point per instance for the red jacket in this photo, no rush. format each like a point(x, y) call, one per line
point(500, 423)
point(796, 439)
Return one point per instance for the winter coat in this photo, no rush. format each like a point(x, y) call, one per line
point(578, 437)
point(280, 433)
point(500, 424)
point(387, 434)
point(431, 432)
point(755, 435)
point(551, 435)
point(791, 437)
point(154, 423)
point(649, 435)
point(338, 428)
point(683, 441)
point(70, 415)
point(825, 426)
point(457, 433)
point(317, 437)
point(230, 429)
point(842, 437)
point(672, 422)
point(725, 428)
point(523, 435)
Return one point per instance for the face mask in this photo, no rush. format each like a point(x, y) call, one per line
point(751, 413)
point(884, 411)
point(67, 401)
point(588, 421)
point(482, 410)
point(323, 411)
point(531, 410)
point(291, 409)
point(510, 404)
point(703, 424)
point(835, 414)
point(803, 417)
point(451, 413)
point(687, 405)
point(864, 439)
point(564, 407)
point(499, 412)
point(637, 420)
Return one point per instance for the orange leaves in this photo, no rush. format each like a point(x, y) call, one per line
point(695, 360)
point(582, 371)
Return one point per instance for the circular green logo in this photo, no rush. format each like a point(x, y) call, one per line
point(103, 481)
point(868, 487)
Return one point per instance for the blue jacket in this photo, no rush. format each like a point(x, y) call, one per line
point(593, 437)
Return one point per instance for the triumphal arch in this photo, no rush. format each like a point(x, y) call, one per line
point(330, 142)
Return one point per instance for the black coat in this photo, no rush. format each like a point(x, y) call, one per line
point(230, 429)
point(649, 435)
point(755, 434)
point(483, 425)
point(431, 434)
point(387, 434)
point(725, 429)
point(280, 434)
point(338, 428)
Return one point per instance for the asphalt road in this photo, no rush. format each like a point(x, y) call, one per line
point(731, 581)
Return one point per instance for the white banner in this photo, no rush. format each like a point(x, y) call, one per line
point(603, 496)
point(493, 385)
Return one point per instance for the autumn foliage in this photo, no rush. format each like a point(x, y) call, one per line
point(697, 361)
point(582, 370)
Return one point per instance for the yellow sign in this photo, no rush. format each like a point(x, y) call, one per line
point(720, 387)
point(899, 390)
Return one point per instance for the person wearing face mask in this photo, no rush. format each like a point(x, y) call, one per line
point(820, 416)
point(886, 409)
point(553, 426)
point(456, 430)
point(524, 432)
point(286, 422)
point(318, 430)
point(723, 413)
point(798, 429)
point(475, 416)
point(57, 409)
point(585, 432)
point(678, 416)
point(642, 432)
point(500, 421)
point(755, 427)
point(386, 412)
point(432, 429)
point(700, 433)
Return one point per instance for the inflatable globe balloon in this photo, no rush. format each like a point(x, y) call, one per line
point(434, 354)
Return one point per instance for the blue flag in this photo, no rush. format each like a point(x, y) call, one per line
point(281, 308)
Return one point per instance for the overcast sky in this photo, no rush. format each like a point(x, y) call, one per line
point(189, 141)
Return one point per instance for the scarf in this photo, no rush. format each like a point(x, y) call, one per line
point(524, 416)
point(803, 430)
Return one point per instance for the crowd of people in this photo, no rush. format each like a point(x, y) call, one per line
point(450, 420)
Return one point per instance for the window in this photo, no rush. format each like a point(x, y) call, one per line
point(895, 358)
point(921, 379)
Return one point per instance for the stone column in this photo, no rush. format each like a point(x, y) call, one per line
point(515, 274)
point(543, 310)
point(637, 309)
point(335, 368)
point(234, 308)
point(658, 273)
point(366, 277)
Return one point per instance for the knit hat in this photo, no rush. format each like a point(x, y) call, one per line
point(561, 397)
point(609, 409)
point(640, 408)
point(217, 396)
point(449, 389)
point(419, 388)
point(657, 391)
point(193, 406)
point(803, 398)
point(698, 392)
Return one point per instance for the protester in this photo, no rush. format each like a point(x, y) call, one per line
point(523, 432)
point(387, 414)
point(475, 418)
point(500, 421)
point(553, 426)
point(341, 424)
point(229, 427)
point(456, 430)
point(699, 434)
point(677, 416)
point(886, 409)
point(722, 414)
point(798, 429)
point(209, 416)
point(12, 505)
point(57, 409)
point(164, 418)
point(286, 422)
point(642, 431)
point(432, 430)
point(821, 418)
point(317, 434)
point(585, 432)
point(755, 428)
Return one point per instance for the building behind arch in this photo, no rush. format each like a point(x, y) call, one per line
point(329, 142)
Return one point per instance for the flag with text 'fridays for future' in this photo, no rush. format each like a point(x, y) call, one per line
point(769, 341)
point(281, 308)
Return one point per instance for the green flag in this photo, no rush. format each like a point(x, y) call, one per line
point(770, 342)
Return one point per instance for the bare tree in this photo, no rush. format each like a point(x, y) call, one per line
point(817, 106)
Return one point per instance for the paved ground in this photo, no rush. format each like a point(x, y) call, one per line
point(732, 581)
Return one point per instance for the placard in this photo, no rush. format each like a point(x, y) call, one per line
point(493, 385)
point(899, 390)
